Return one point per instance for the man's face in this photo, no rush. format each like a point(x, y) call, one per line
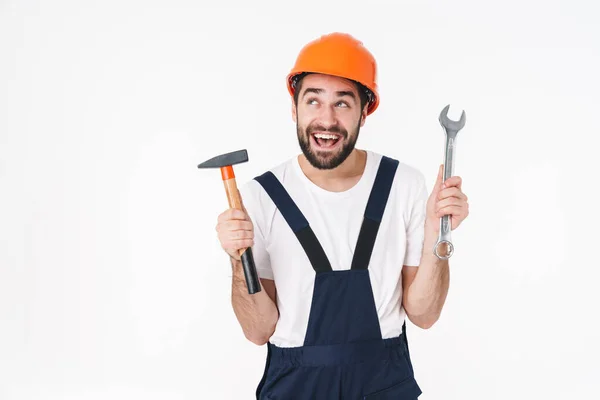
point(328, 118)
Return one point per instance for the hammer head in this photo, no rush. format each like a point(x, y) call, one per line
point(225, 160)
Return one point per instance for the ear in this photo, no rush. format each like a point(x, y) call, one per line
point(294, 115)
point(363, 115)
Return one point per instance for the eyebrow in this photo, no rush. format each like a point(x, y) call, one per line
point(339, 93)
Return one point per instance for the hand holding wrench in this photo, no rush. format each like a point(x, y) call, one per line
point(451, 128)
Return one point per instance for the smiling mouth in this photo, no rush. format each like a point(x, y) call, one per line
point(326, 141)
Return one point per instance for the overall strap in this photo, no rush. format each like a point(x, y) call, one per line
point(296, 220)
point(374, 212)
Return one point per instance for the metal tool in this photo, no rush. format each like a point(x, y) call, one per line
point(451, 128)
point(225, 163)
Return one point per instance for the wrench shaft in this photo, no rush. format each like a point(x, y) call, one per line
point(445, 236)
point(449, 157)
point(451, 129)
point(445, 227)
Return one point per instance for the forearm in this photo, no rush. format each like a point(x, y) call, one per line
point(256, 313)
point(425, 297)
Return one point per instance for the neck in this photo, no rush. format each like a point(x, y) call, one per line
point(340, 178)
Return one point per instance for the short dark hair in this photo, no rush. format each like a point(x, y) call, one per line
point(365, 94)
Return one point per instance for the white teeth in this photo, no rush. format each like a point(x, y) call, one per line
point(325, 136)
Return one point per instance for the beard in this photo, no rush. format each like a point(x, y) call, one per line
point(322, 159)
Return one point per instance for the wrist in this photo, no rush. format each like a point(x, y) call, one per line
point(431, 233)
point(429, 241)
point(236, 264)
point(432, 223)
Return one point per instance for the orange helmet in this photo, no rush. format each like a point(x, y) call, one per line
point(342, 55)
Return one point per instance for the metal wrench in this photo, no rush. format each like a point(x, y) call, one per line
point(451, 128)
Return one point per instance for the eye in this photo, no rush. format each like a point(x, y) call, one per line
point(311, 101)
point(343, 103)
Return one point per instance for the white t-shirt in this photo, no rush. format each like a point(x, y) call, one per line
point(336, 218)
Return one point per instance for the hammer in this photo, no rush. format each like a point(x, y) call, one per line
point(225, 163)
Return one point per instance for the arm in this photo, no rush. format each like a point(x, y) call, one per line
point(257, 313)
point(425, 287)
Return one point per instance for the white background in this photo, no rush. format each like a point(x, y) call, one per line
point(112, 281)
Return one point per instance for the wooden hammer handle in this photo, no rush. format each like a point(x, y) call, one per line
point(233, 197)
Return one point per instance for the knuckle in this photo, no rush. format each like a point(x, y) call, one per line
point(232, 214)
point(226, 214)
point(234, 225)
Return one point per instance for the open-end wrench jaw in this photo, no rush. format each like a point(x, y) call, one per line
point(452, 127)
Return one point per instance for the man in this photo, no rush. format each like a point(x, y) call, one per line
point(343, 243)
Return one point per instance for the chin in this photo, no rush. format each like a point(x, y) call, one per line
point(325, 158)
point(326, 161)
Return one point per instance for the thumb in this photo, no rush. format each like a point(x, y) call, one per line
point(440, 178)
point(241, 200)
point(242, 203)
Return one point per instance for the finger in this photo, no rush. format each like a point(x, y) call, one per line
point(242, 201)
point(237, 244)
point(451, 209)
point(243, 213)
point(226, 215)
point(450, 201)
point(238, 234)
point(452, 192)
point(236, 225)
point(440, 176)
point(455, 211)
point(453, 181)
point(232, 213)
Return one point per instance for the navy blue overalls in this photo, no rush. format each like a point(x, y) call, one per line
point(344, 355)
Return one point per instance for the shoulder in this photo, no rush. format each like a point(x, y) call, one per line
point(255, 198)
point(253, 188)
point(407, 177)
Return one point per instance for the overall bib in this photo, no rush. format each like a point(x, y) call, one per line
point(344, 355)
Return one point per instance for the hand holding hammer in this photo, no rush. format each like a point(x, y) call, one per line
point(225, 163)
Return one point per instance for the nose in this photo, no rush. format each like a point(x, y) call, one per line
point(327, 117)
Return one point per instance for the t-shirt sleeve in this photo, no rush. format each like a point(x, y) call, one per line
point(415, 229)
point(250, 194)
